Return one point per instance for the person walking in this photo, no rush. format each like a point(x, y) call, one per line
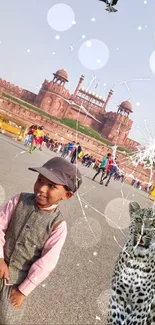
point(64, 150)
point(102, 167)
point(41, 137)
point(112, 172)
point(90, 162)
point(96, 164)
point(109, 167)
point(133, 182)
point(29, 136)
point(75, 153)
point(37, 138)
point(85, 159)
point(70, 148)
point(59, 148)
point(45, 140)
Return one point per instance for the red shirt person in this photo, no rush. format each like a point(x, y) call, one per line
point(109, 167)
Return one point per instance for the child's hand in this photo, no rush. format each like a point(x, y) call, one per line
point(16, 298)
point(4, 271)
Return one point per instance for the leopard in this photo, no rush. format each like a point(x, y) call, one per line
point(132, 301)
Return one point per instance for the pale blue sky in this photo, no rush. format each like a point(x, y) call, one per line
point(24, 26)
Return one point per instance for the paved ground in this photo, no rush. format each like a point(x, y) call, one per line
point(78, 289)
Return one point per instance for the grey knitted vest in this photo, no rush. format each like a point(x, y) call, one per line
point(28, 231)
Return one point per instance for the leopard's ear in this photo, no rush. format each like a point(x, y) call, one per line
point(133, 207)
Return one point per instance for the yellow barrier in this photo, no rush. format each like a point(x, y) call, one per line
point(11, 129)
point(152, 194)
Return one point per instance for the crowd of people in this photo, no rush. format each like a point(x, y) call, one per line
point(35, 137)
point(136, 183)
point(108, 168)
point(72, 151)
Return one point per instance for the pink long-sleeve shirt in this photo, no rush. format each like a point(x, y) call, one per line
point(40, 270)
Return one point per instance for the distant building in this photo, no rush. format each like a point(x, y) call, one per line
point(87, 107)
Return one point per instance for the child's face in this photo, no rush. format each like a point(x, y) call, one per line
point(48, 193)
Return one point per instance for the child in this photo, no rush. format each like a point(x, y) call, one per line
point(32, 234)
point(37, 139)
point(29, 137)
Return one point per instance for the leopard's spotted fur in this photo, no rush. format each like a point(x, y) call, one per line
point(133, 284)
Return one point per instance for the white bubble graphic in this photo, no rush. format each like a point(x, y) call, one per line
point(93, 54)
point(137, 104)
point(103, 301)
point(61, 17)
point(2, 195)
point(140, 27)
point(57, 37)
point(117, 213)
point(152, 61)
point(86, 234)
point(88, 43)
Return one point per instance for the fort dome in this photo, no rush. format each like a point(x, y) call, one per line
point(62, 74)
point(126, 105)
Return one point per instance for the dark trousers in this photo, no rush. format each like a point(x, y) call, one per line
point(108, 174)
point(88, 164)
point(100, 170)
point(73, 159)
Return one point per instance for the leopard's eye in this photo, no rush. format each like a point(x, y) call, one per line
point(139, 220)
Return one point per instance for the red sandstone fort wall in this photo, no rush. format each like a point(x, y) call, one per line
point(54, 105)
point(49, 89)
point(92, 107)
point(13, 90)
point(130, 143)
point(116, 126)
point(53, 98)
point(75, 113)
